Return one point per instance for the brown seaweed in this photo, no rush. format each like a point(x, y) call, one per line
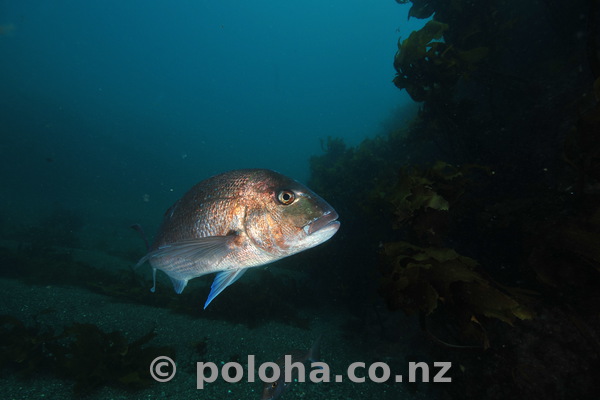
point(82, 352)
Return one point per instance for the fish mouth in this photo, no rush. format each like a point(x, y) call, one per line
point(327, 220)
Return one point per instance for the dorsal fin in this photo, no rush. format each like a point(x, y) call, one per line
point(138, 228)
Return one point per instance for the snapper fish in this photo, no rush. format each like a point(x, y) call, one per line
point(274, 390)
point(234, 221)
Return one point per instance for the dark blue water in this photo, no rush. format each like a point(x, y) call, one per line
point(111, 110)
point(105, 102)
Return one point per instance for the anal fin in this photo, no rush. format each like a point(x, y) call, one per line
point(179, 284)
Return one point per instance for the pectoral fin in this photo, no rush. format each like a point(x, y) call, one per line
point(212, 249)
point(183, 256)
point(222, 280)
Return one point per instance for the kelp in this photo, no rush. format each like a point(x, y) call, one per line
point(526, 221)
point(435, 188)
point(94, 358)
point(24, 349)
point(422, 279)
point(420, 8)
point(422, 276)
point(429, 64)
point(344, 174)
point(82, 352)
point(416, 59)
point(421, 198)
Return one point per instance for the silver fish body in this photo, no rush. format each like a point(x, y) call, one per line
point(238, 220)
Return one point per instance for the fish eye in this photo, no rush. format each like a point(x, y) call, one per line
point(286, 197)
point(274, 385)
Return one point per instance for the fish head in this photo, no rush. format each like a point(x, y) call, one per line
point(288, 217)
point(274, 390)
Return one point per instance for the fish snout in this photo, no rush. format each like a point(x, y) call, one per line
point(327, 221)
